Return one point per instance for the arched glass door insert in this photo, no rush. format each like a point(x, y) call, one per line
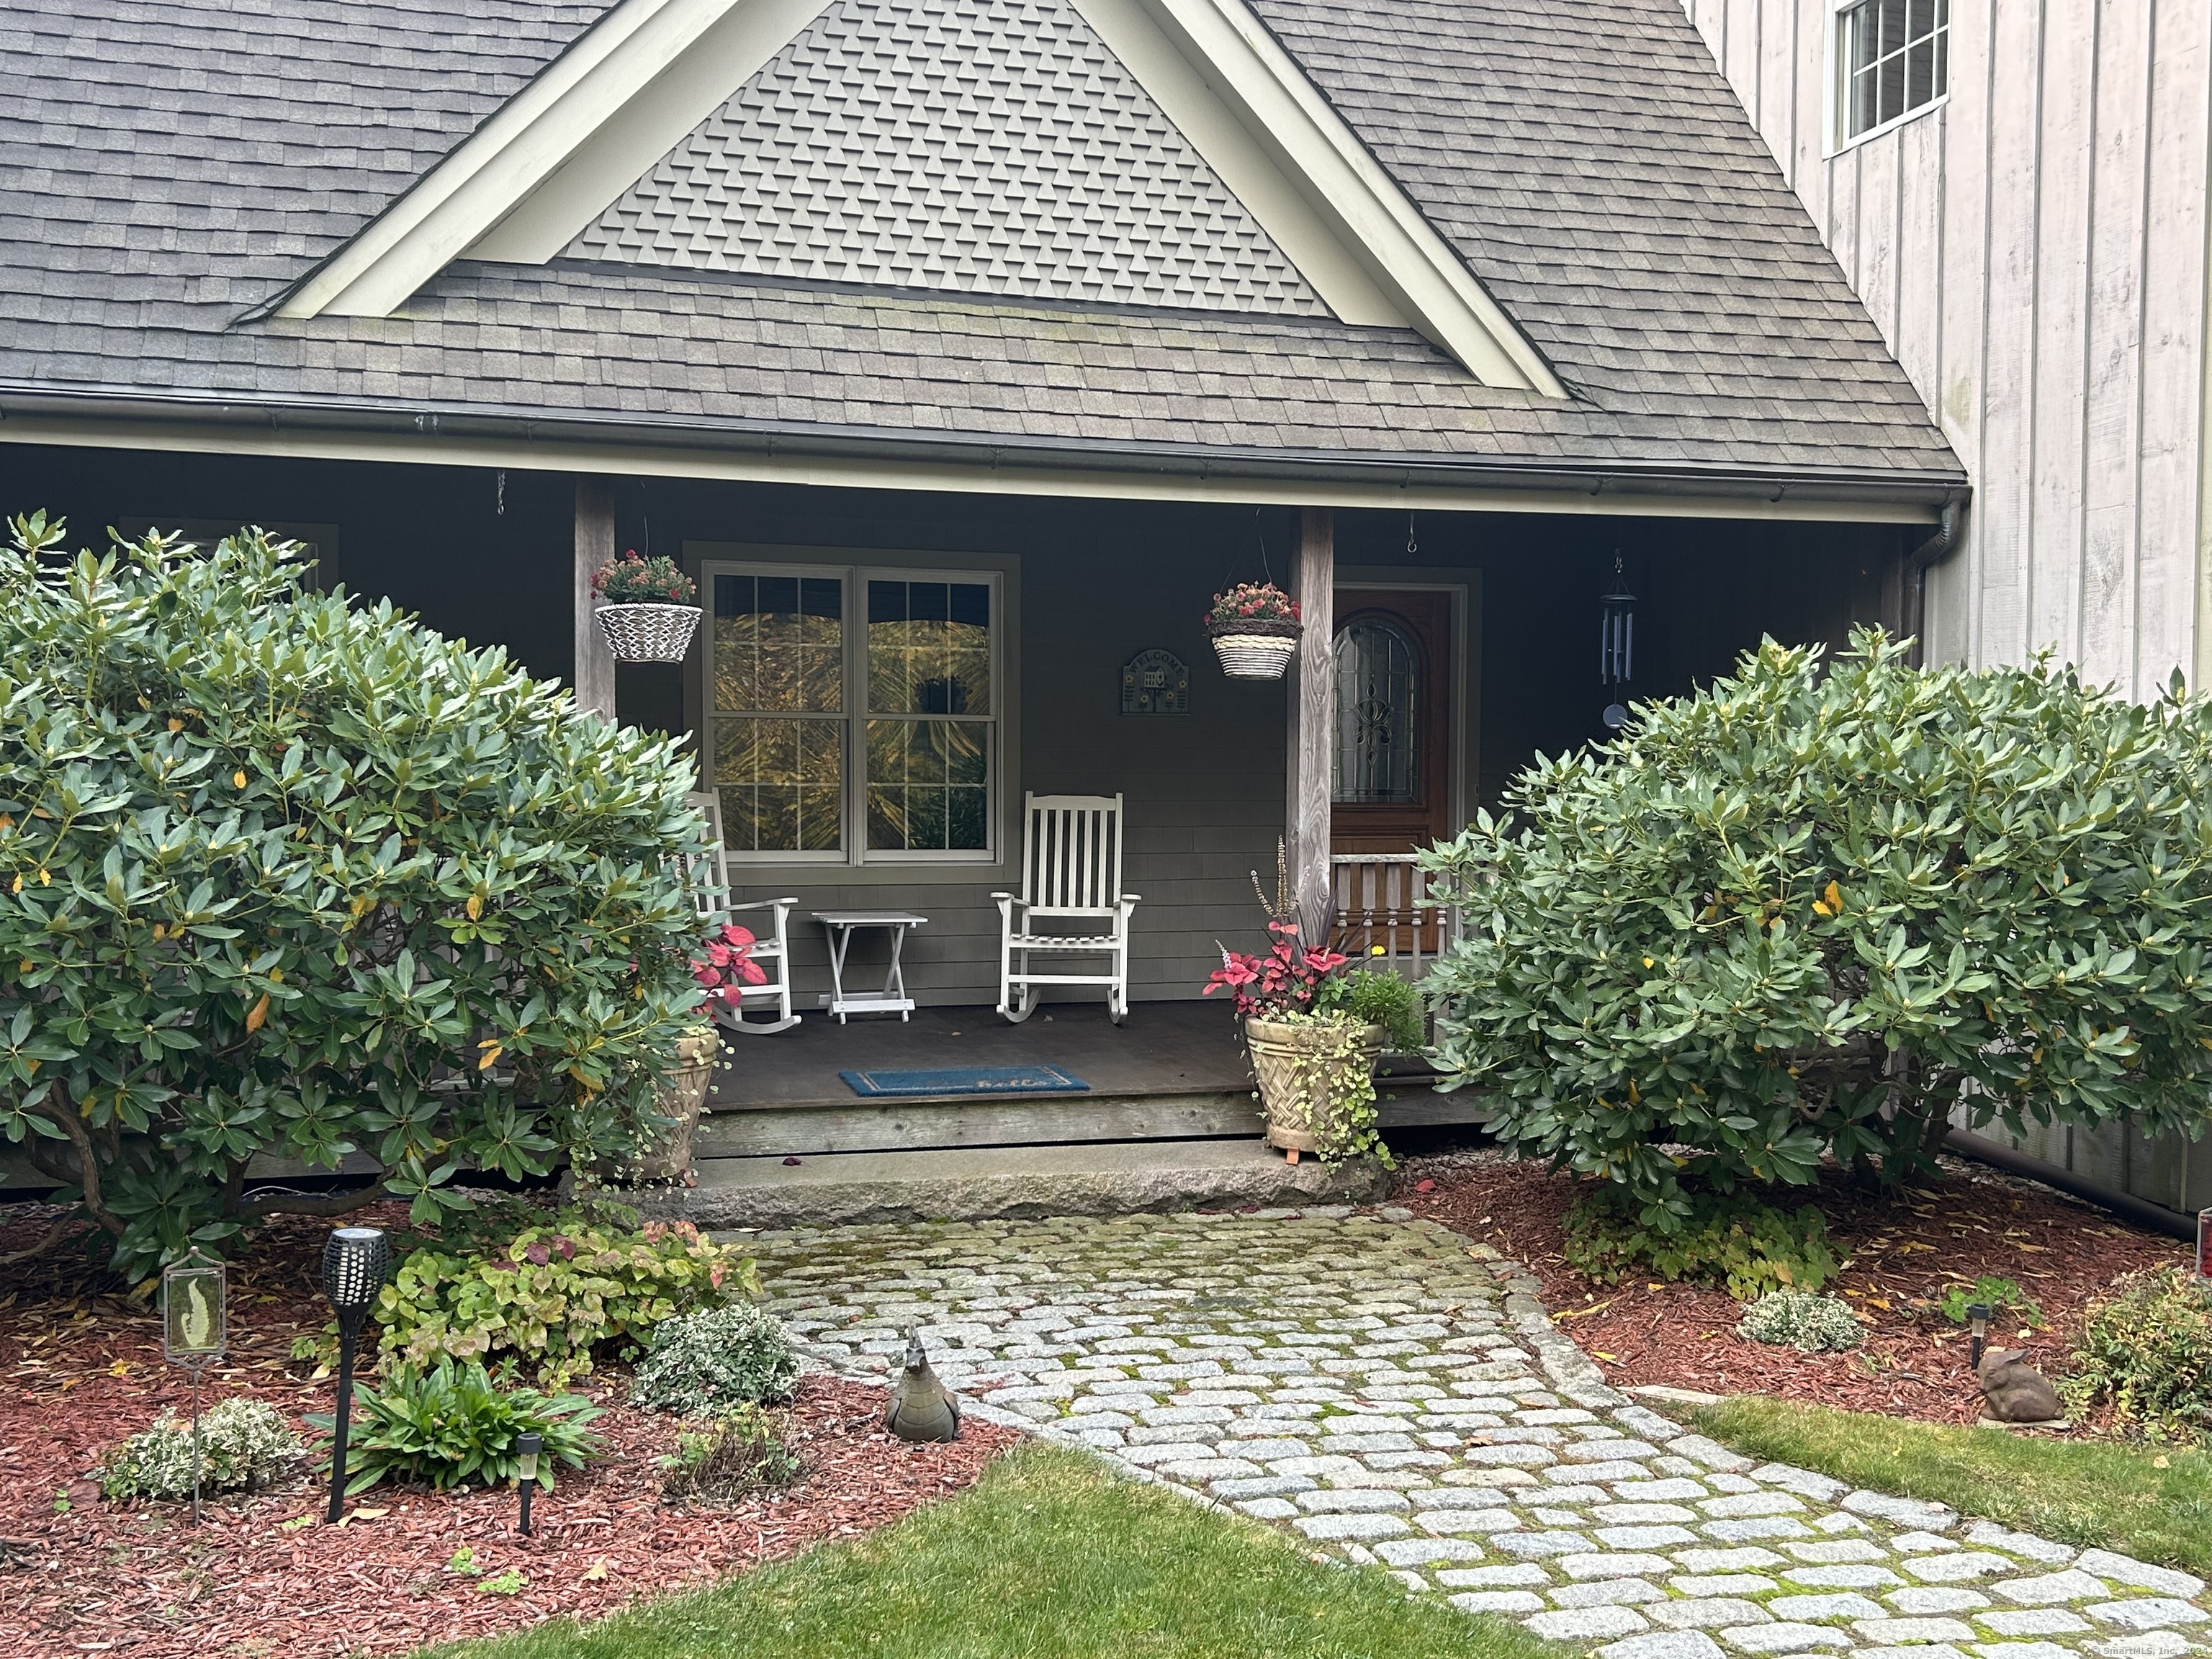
point(1378, 696)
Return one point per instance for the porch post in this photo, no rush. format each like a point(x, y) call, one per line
point(1313, 721)
point(593, 678)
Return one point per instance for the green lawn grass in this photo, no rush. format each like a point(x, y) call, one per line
point(1048, 1555)
point(2087, 1493)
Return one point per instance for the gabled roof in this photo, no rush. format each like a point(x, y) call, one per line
point(169, 172)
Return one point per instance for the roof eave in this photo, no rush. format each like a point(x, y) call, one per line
point(428, 433)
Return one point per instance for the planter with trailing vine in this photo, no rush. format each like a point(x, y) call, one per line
point(1316, 1074)
point(683, 1098)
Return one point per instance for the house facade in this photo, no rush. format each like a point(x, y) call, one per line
point(961, 350)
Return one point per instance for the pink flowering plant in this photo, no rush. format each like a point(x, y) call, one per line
point(1288, 979)
point(1253, 601)
point(632, 581)
point(727, 966)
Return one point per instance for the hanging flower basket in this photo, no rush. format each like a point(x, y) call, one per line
point(1254, 628)
point(647, 615)
point(648, 633)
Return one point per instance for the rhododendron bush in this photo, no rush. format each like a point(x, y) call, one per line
point(283, 872)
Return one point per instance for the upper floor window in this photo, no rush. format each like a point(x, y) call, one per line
point(1893, 56)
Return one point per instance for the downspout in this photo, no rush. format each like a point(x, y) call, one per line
point(1917, 563)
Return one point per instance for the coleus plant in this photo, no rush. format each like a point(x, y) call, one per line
point(1287, 979)
point(727, 966)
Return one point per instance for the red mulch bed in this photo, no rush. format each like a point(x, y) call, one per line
point(1902, 1253)
point(81, 1368)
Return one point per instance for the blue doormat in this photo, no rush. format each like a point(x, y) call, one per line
point(968, 1081)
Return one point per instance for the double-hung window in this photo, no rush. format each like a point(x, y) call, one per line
point(852, 716)
point(1892, 57)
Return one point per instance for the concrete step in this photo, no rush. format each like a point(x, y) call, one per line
point(1006, 1183)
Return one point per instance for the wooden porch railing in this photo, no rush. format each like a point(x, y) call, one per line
point(1381, 900)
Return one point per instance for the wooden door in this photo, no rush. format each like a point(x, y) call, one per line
point(1390, 781)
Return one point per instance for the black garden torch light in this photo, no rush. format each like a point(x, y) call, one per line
point(1978, 1322)
point(353, 1265)
point(527, 1447)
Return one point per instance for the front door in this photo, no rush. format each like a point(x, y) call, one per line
point(1390, 781)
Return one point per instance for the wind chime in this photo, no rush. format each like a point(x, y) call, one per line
point(1616, 646)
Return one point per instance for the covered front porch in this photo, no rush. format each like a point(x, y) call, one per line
point(883, 676)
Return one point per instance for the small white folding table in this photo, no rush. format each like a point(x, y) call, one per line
point(892, 998)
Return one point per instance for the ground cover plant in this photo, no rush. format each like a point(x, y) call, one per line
point(280, 871)
point(1049, 1558)
point(2143, 1367)
point(244, 1445)
point(1808, 1323)
point(2152, 1504)
point(81, 1370)
point(1898, 1257)
point(538, 1294)
point(1817, 909)
point(716, 1361)
point(1729, 1239)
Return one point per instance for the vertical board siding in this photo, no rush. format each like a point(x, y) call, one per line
point(2034, 251)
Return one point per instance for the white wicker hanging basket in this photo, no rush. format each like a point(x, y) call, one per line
point(1255, 648)
point(648, 633)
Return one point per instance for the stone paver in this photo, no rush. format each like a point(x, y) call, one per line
point(1391, 1395)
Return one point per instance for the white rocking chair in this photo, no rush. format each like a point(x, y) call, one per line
point(1070, 873)
point(710, 891)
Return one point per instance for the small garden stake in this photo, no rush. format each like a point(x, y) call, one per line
point(1978, 1322)
point(527, 1447)
point(195, 1329)
point(353, 1265)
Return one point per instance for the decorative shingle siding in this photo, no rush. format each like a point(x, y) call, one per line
point(987, 146)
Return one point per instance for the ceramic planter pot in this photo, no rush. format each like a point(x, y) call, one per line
point(682, 1098)
point(648, 633)
point(1294, 1112)
point(1255, 648)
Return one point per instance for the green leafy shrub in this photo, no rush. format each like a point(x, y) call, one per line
point(245, 1445)
point(739, 1454)
point(2145, 1357)
point(452, 1424)
point(1998, 1295)
point(546, 1298)
point(1797, 1318)
point(705, 1364)
point(1819, 910)
point(1729, 1239)
point(281, 872)
point(1378, 997)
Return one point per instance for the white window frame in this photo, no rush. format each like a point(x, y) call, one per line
point(854, 579)
point(1838, 76)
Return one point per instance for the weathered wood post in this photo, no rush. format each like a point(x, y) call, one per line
point(594, 676)
point(1312, 723)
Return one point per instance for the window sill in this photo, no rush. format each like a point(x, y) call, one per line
point(1888, 126)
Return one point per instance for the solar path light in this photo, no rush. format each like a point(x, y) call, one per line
point(355, 1262)
point(527, 1447)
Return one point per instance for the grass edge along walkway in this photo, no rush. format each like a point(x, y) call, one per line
point(2094, 1493)
point(1049, 1556)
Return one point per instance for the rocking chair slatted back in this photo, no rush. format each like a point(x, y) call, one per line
point(709, 870)
point(1072, 854)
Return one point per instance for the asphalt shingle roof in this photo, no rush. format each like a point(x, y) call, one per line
point(166, 167)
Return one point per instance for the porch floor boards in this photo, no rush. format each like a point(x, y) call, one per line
point(1162, 1049)
point(1172, 1071)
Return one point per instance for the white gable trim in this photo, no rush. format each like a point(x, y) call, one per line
point(646, 66)
point(1245, 73)
point(637, 82)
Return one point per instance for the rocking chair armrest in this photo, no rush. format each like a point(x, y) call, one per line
point(1132, 898)
point(761, 905)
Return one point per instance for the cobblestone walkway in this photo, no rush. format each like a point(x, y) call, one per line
point(1393, 1395)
